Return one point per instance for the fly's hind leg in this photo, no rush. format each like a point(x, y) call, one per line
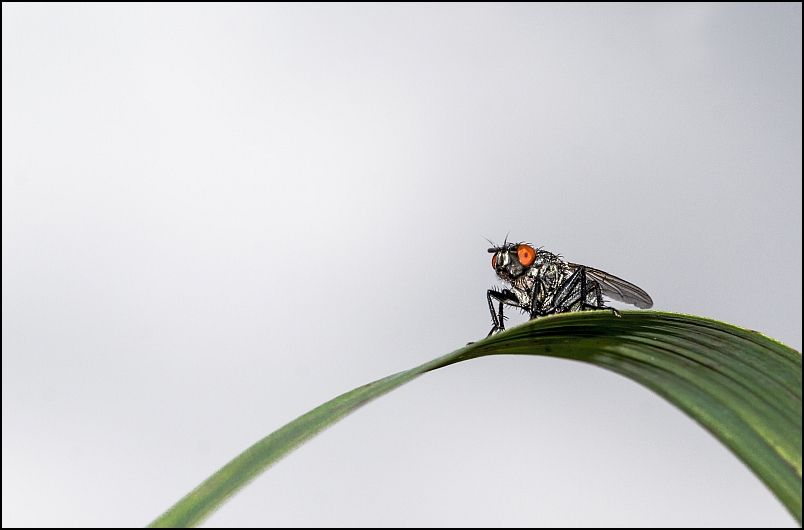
point(577, 289)
point(598, 296)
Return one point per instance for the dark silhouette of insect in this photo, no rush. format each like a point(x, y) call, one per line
point(541, 283)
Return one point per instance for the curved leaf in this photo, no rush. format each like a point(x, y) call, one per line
point(742, 386)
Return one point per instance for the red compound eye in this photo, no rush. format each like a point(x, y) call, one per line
point(494, 261)
point(526, 254)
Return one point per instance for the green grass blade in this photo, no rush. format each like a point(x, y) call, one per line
point(743, 387)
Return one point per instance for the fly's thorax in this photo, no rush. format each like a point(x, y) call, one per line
point(552, 275)
point(550, 271)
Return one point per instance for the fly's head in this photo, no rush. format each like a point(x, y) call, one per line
point(512, 260)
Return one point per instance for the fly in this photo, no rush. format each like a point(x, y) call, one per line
point(540, 283)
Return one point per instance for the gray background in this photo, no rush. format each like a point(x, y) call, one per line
point(216, 218)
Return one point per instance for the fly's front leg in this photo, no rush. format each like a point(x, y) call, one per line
point(497, 317)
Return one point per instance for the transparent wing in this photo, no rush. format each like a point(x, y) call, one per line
point(617, 288)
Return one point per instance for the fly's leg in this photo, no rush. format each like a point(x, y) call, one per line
point(598, 297)
point(535, 302)
point(497, 317)
point(581, 284)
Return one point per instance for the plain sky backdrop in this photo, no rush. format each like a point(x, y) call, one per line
point(217, 217)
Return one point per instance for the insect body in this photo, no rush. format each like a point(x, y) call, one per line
point(541, 284)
